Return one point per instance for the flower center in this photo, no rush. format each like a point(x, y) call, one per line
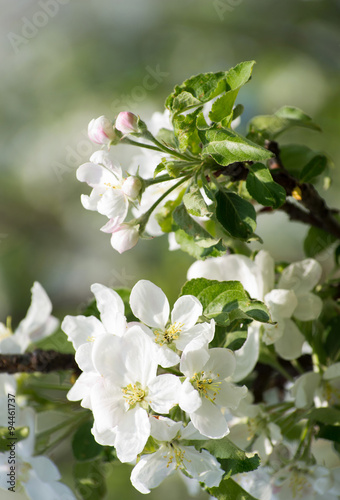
point(169, 335)
point(298, 483)
point(177, 454)
point(206, 385)
point(134, 394)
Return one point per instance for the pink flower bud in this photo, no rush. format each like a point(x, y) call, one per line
point(132, 187)
point(124, 236)
point(101, 131)
point(126, 122)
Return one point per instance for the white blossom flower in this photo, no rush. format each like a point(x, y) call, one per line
point(207, 391)
point(149, 304)
point(321, 389)
point(108, 196)
point(152, 469)
point(127, 389)
point(124, 236)
point(292, 299)
point(83, 332)
point(37, 325)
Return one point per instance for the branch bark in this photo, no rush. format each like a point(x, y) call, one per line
point(38, 361)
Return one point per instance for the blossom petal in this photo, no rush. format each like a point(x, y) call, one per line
point(202, 466)
point(109, 304)
point(332, 372)
point(166, 357)
point(247, 356)
point(230, 395)
point(164, 429)
point(95, 175)
point(152, 469)
point(133, 432)
point(309, 307)
point(301, 276)
point(189, 399)
point(186, 311)
point(107, 357)
point(198, 336)
point(107, 405)
point(304, 389)
point(82, 388)
point(91, 202)
point(266, 266)
point(193, 361)
point(149, 303)
point(139, 356)
point(113, 203)
point(105, 438)
point(79, 329)
point(45, 469)
point(289, 346)
point(209, 420)
point(164, 392)
point(281, 303)
point(221, 363)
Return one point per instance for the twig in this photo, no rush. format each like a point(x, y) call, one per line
point(38, 361)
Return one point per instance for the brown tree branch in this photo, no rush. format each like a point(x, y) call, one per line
point(38, 361)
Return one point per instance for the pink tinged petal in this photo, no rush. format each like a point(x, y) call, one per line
point(133, 432)
point(281, 303)
point(230, 395)
point(197, 337)
point(304, 389)
point(163, 393)
point(79, 329)
point(126, 122)
point(100, 130)
point(112, 225)
point(106, 438)
point(247, 356)
point(189, 398)
point(149, 303)
point(309, 307)
point(83, 357)
point(301, 276)
point(113, 203)
point(125, 238)
point(107, 405)
point(289, 346)
point(221, 363)
point(186, 311)
point(107, 357)
point(209, 420)
point(193, 361)
point(202, 466)
point(139, 356)
point(96, 175)
point(152, 469)
point(163, 428)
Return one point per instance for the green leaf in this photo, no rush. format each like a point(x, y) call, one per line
point(164, 215)
point(6, 437)
point(90, 480)
point(232, 458)
point(195, 204)
point(229, 490)
point(317, 241)
point(329, 416)
point(84, 445)
point(186, 132)
point(205, 86)
point(189, 246)
point(330, 432)
point(236, 215)
point(200, 236)
point(221, 298)
point(271, 126)
point(314, 168)
point(226, 147)
point(262, 188)
point(167, 137)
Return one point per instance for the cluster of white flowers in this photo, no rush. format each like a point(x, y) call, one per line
point(125, 384)
point(28, 475)
point(113, 193)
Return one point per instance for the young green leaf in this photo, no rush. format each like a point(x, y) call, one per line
point(189, 246)
point(83, 444)
point(195, 203)
point(314, 168)
point(262, 188)
point(236, 215)
point(183, 220)
point(186, 131)
point(317, 241)
point(229, 490)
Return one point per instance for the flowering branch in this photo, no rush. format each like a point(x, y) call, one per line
point(37, 361)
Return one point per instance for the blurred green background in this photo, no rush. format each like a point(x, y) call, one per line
point(65, 62)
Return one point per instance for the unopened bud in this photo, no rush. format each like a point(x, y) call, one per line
point(132, 187)
point(101, 131)
point(127, 123)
